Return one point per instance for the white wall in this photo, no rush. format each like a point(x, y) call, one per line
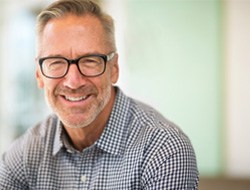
point(238, 87)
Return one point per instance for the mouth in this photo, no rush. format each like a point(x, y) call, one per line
point(75, 99)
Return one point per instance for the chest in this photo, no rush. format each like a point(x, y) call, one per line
point(92, 169)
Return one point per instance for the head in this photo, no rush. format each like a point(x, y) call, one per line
point(61, 8)
point(71, 29)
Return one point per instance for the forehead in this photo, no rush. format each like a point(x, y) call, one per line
point(73, 33)
point(85, 20)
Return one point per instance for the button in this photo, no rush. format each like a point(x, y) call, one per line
point(83, 178)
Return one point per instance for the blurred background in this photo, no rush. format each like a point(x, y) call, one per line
point(189, 59)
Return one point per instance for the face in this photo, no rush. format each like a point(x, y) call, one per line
point(77, 100)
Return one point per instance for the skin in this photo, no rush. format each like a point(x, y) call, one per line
point(71, 37)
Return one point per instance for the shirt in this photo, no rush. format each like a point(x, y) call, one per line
point(138, 149)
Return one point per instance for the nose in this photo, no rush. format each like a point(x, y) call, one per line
point(74, 79)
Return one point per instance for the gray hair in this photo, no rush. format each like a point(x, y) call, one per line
point(61, 8)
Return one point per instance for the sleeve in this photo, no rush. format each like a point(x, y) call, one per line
point(172, 167)
point(12, 170)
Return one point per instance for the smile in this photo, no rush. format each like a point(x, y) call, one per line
point(76, 99)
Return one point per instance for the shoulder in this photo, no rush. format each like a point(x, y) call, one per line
point(39, 134)
point(151, 120)
point(167, 153)
point(20, 162)
point(43, 128)
point(160, 136)
point(32, 142)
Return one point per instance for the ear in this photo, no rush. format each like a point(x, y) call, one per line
point(115, 69)
point(39, 78)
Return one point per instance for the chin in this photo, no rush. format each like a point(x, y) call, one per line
point(77, 122)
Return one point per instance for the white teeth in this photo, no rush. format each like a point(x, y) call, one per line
point(75, 99)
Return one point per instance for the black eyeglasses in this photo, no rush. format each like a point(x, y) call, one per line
point(90, 65)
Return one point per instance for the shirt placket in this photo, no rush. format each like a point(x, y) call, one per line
point(85, 168)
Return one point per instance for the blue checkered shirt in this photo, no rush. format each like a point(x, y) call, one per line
point(138, 149)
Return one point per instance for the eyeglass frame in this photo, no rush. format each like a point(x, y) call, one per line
point(106, 58)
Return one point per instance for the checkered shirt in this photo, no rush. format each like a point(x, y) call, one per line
point(138, 149)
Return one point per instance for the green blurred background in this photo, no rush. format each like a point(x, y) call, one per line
point(174, 56)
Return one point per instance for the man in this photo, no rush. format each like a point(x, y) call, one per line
point(98, 137)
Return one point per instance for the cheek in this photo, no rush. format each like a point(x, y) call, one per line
point(108, 80)
point(102, 83)
point(49, 87)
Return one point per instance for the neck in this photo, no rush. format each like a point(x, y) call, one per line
point(82, 138)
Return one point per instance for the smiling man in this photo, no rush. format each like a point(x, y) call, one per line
point(78, 66)
point(97, 137)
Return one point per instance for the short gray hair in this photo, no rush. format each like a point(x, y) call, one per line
point(60, 8)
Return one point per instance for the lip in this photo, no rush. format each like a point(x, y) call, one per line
point(75, 100)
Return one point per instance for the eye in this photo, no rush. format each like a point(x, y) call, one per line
point(55, 63)
point(90, 62)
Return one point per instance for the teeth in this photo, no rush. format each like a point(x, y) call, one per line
point(75, 99)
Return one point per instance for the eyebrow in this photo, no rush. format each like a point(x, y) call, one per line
point(80, 55)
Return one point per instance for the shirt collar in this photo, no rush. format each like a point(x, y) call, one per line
point(113, 138)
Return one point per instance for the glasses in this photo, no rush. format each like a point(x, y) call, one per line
point(90, 65)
